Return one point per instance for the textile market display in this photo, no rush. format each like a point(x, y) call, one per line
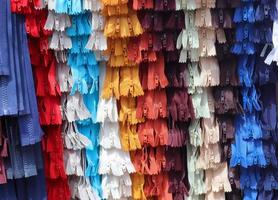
point(138, 99)
point(20, 144)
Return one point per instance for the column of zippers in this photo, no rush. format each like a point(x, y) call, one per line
point(78, 73)
point(98, 44)
point(120, 81)
point(152, 107)
point(139, 54)
point(21, 161)
point(88, 127)
point(48, 96)
point(247, 150)
point(135, 56)
point(226, 96)
point(216, 169)
point(188, 42)
point(267, 78)
point(60, 42)
point(203, 132)
point(227, 104)
point(179, 105)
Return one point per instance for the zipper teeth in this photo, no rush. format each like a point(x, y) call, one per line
point(16, 159)
point(4, 94)
point(28, 159)
point(28, 130)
